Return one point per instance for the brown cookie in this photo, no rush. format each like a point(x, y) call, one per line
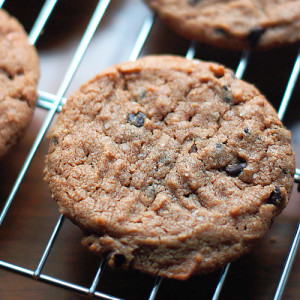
point(19, 74)
point(170, 166)
point(235, 24)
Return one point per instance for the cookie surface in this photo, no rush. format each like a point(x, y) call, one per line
point(235, 24)
point(19, 74)
point(170, 166)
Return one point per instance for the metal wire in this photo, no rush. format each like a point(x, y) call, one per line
point(240, 70)
point(48, 247)
point(293, 250)
point(46, 101)
point(288, 265)
point(55, 281)
point(155, 288)
point(290, 87)
point(192, 50)
point(41, 21)
point(221, 281)
point(53, 103)
point(94, 284)
point(142, 37)
point(297, 175)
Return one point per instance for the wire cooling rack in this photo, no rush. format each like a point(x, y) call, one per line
point(52, 103)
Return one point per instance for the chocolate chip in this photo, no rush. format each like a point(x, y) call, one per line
point(247, 130)
point(194, 2)
point(143, 94)
point(227, 99)
point(187, 195)
point(140, 95)
point(255, 35)
point(136, 119)
point(193, 149)
point(236, 170)
point(54, 140)
point(275, 197)
point(298, 188)
point(119, 260)
point(220, 31)
point(165, 160)
point(125, 87)
point(150, 192)
point(227, 96)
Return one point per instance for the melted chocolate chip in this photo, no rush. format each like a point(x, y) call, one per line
point(193, 149)
point(136, 119)
point(298, 188)
point(236, 170)
point(119, 260)
point(255, 35)
point(247, 130)
point(275, 197)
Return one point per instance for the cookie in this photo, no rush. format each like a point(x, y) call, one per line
point(233, 24)
point(19, 72)
point(170, 166)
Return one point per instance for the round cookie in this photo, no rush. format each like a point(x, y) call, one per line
point(235, 24)
point(171, 166)
point(19, 72)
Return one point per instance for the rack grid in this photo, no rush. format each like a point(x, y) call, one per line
point(52, 103)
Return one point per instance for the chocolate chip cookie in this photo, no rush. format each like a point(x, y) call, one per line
point(234, 24)
point(170, 166)
point(19, 72)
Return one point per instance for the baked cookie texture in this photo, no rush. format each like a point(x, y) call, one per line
point(170, 166)
point(234, 24)
point(19, 72)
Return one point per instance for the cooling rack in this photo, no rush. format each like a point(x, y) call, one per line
point(51, 102)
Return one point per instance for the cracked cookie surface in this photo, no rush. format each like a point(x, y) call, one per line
point(170, 166)
point(235, 24)
point(19, 74)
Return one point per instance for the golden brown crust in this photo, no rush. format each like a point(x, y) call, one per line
point(172, 166)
